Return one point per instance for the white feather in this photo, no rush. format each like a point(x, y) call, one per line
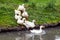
point(17, 17)
point(29, 24)
point(21, 7)
point(19, 21)
point(40, 31)
point(25, 14)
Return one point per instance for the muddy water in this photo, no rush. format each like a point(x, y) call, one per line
point(51, 34)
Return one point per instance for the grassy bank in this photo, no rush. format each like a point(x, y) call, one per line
point(43, 11)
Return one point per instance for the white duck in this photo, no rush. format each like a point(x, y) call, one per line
point(20, 21)
point(17, 17)
point(25, 14)
point(29, 24)
point(21, 7)
point(17, 12)
point(38, 31)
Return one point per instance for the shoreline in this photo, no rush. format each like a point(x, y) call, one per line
point(18, 28)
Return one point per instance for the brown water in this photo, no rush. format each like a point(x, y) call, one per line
point(51, 34)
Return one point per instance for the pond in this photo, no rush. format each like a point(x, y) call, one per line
point(51, 34)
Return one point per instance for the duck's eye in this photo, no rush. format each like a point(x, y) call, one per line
point(17, 14)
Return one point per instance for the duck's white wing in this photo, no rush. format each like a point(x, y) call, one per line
point(31, 24)
point(20, 21)
point(27, 26)
point(32, 31)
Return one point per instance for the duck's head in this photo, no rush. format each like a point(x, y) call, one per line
point(17, 11)
point(33, 21)
point(42, 26)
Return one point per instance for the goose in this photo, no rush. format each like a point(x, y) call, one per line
point(40, 31)
point(17, 17)
point(20, 21)
point(21, 7)
point(17, 12)
point(29, 24)
point(25, 14)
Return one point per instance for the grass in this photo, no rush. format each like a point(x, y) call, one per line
point(37, 9)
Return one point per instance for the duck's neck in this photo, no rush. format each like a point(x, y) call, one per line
point(33, 21)
point(40, 28)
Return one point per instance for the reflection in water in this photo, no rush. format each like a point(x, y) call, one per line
point(41, 37)
point(30, 35)
point(51, 34)
point(18, 38)
point(57, 37)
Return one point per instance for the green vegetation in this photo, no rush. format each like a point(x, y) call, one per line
point(43, 11)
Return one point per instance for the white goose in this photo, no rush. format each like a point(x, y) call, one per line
point(25, 14)
point(38, 31)
point(21, 7)
point(20, 21)
point(29, 24)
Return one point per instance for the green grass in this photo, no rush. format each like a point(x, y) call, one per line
point(37, 9)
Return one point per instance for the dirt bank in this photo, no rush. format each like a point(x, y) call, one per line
point(18, 28)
